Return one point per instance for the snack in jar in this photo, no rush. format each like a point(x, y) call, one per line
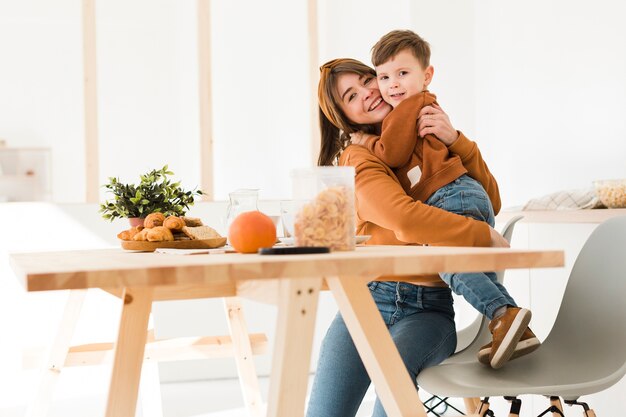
point(612, 193)
point(325, 214)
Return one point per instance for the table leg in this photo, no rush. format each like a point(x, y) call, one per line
point(56, 357)
point(297, 309)
point(242, 347)
point(378, 352)
point(129, 350)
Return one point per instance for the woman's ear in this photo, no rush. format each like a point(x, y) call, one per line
point(428, 75)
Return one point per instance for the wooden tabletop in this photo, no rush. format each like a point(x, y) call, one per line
point(115, 268)
point(141, 278)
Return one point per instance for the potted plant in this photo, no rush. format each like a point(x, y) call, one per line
point(155, 193)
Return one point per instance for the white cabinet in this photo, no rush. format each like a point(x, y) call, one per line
point(25, 174)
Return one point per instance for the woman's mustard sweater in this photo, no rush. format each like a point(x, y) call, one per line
point(391, 217)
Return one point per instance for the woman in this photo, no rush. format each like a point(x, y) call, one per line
point(420, 318)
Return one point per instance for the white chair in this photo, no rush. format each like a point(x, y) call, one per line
point(471, 335)
point(583, 354)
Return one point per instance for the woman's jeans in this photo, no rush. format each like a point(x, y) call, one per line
point(467, 197)
point(421, 323)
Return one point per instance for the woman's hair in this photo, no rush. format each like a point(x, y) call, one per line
point(334, 125)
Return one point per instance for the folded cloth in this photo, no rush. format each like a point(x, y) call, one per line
point(566, 200)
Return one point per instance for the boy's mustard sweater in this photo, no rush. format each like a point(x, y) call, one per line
point(391, 217)
point(400, 147)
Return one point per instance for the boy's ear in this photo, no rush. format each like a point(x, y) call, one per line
point(428, 75)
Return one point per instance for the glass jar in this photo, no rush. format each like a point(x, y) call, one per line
point(325, 214)
point(240, 201)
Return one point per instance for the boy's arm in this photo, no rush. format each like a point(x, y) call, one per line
point(396, 142)
point(477, 168)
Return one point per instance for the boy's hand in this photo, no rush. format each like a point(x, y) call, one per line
point(433, 120)
point(359, 138)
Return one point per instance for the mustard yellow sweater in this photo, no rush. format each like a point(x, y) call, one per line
point(386, 212)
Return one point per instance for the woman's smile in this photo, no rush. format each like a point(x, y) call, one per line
point(375, 104)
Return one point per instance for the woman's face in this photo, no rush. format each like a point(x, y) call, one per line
point(360, 99)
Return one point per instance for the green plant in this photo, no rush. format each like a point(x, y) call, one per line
point(155, 193)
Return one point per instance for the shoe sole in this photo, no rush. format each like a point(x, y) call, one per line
point(523, 347)
point(512, 337)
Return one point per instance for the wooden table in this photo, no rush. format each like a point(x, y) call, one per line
point(292, 281)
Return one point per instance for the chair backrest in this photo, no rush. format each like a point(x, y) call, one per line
point(507, 233)
point(592, 317)
point(468, 335)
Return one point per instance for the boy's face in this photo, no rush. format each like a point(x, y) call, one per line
point(402, 77)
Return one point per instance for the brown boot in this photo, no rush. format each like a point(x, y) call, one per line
point(506, 331)
point(528, 343)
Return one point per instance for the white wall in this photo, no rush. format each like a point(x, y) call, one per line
point(542, 93)
point(147, 90)
point(41, 85)
point(551, 93)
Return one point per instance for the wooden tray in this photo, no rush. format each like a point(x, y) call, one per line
point(145, 246)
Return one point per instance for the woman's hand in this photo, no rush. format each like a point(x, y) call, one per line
point(360, 138)
point(433, 120)
point(497, 241)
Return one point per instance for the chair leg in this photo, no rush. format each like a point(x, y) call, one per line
point(483, 408)
point(430, 405)
point(434, 402)
point(516, 405)
point(587, 412)
point(471, 404)
point(556, 402)
point(555, 408)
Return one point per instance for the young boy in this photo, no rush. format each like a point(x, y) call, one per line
point(430, 171)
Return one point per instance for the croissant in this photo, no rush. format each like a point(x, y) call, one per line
point(174, 223)
point(154, 220)
point(159, 234)
point(141, 236)
point(130, 233)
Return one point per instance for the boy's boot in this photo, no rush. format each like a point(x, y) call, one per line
point(528, 343)
point(506, 330)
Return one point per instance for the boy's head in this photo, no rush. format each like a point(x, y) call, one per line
point(402, 62)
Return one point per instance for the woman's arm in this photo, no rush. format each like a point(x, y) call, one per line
point(477, 168)
point(433, 120)
point(381, 200)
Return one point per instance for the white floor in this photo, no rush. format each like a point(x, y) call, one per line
point(81, 392)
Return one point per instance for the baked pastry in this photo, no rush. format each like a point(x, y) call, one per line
point(174, 223)
point(159, 234)
point(200, 232)
point(192, 221)
point(141, 236)
point(130, 233)
point(153, 220)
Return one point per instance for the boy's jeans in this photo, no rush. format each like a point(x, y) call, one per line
point(467, 197)
point(421, 323)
